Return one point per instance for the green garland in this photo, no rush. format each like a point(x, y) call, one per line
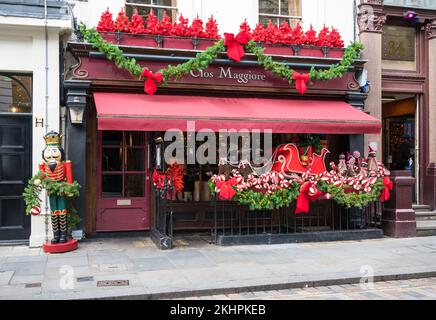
point(38, 182)
point(204, 59)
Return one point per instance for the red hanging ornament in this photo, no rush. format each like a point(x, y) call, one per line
point(310, 37)
point(196, 29)
point(165, 27)
point(122, 23)
point(297, 36)
point(324, 38)
point(336, 39)
point(150, 82)
point(259, 33)
point(234, 44)
point(137, 24)
point(272, 34)
point(181, 29)
point(106, 23)
point(285, 32)
point(301, 81)
point(245, 28)
point(152, 24)
point(211, 31)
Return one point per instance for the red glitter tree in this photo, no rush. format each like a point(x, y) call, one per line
point(285, 33)
point(152, 24)
point(244, 27)
point(137, 24)
point(259, 33)
point(324, 38)
point(196, 29)
point(211, 29)
point(297, 36)
point(165, 27)
point(310, 37)
point(106, 23)
point(181, 29)
point(122, 23)
point(272, 34)
point(336, 39)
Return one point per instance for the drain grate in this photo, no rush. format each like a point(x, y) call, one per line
point(85, 279)
point(112, 283)
point(33, 285)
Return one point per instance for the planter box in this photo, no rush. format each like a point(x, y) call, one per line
point(128, 39)
point(303, 51)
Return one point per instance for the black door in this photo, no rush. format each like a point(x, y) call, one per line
point(15, 170)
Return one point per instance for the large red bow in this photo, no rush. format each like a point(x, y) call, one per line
point(301, 81)
point(235, 51)
point(308, 192)
point(388, 186)
point(225, 189)
point(150, 84)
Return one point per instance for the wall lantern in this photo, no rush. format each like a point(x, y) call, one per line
point(76, 103)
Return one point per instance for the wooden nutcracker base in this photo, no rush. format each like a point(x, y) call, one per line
point(70, 245)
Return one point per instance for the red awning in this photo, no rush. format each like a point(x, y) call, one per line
point(141, 112)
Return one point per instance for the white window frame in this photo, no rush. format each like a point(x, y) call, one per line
point(279, 16)
point(154, 6)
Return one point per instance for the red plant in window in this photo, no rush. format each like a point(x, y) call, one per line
point(152, 24)
point(272, 34)
point(311, 37)
point(106, 23)
point(297, 35)
point(137, 24)
point(259, 33)
point(245, 28)
point(165, 27)
point(181, 29)
point(196, 29)
point(211, 31)
point(324, 38)
point(285, 32)
point(122, 23)
point(336, 39)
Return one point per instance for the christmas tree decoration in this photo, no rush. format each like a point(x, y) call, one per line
point(297, 35)
point(181, 29)
point(196, 29)
point(324, 39)
point(164, 28)
point(122, 23)
point(211, 31)
point(285, 33)
point(259, 33)
point(244, 27)
point(152, 24)
point(137, 24)
point(311, 38)
point(336, 39)
point(234, 44)
point(106, 22)
point(272, 33)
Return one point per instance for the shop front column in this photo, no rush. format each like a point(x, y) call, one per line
point(431, 169)
point(371, 20)
point(76, 138)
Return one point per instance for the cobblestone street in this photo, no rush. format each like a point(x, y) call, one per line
point(414, 289)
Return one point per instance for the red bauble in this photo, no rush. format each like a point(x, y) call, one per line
point(106, 23)
point(152, 24)
point(122, 23)
point(211, 29)
point(165, 27)
point(137, 24)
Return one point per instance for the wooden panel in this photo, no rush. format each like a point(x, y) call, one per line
point(91, 170)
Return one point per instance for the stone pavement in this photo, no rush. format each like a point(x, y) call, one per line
point(134, 268)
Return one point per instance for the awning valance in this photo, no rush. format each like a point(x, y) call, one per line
point(141, 112)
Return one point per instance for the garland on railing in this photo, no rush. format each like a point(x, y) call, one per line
point(236, 47)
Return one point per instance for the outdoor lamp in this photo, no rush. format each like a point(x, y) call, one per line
point(76, 103)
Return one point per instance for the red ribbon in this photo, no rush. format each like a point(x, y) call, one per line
point(150, 84)
point(226, 190)
point(301, 81)
point(386, 194)
point(308, 192)
point(235, 49)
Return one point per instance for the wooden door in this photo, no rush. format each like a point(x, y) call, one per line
point(122, 191)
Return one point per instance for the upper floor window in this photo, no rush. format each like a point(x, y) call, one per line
point(158, 6)
point(15, 93)
point(399, 47)
point(279, 11)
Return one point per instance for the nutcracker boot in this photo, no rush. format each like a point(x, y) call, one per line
point(55, 227)
point(63, 228)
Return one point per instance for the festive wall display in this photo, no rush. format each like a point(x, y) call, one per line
point(55, 176)
point(172, 178)
point(356, 185)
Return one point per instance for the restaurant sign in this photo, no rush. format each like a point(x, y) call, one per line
point(228, 73)
point(418, 4)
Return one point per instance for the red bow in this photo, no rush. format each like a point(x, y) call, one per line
point(150, 84)
point(388, 186)
point(301, 81)
point(308, 192)
point(235, 51)
point(226, 190)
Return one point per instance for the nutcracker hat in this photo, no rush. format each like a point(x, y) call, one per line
point(53, 138)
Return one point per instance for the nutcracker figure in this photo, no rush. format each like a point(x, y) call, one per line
point(56, 168)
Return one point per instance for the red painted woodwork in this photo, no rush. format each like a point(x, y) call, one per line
point(122, 212)
point(68, 246)
point(163, 112)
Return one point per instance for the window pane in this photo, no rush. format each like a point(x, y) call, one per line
point(135, 138)
point(15, 94)
point(264, 20)
point(112, 138)
point(112, 186)
point(269, 6)
point(111, 159)
point(11, 136)
point(284, 7)
point(11, 167)
point(291, 7)
point(135, 159)
point(139, 1)
point(168, 3)
point(134, 186)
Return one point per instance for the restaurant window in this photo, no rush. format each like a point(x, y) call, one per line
point(399, 48)
point(158, 6)
point(15, 93)
point(279, 11)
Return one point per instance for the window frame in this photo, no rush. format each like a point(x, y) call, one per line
point(13, 76)
point(174, 9)
point(279, 16)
